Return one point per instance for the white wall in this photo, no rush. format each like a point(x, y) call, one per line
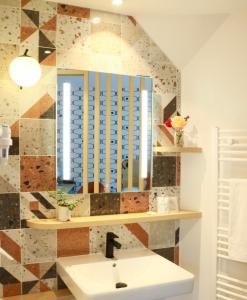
point(214, 93)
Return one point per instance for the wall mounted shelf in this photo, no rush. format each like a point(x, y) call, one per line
point(77, 222)
point(173, 149)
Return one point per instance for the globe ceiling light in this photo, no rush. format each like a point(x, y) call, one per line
point(24, 70)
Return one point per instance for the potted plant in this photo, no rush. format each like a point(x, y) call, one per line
point(177, 123)
point(65, 205)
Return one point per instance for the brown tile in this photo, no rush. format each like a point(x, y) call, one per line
point(34, 269)
point(178, 170)
point(139, 233)
point(164, 171)
point(167, 253)
point(10, 209)
point(73, 11)
point(26, 32)
point(176, 255)
point(38, 173)
point(104, 204)
point(43, 108)
point(71, 242)
point(134, 202)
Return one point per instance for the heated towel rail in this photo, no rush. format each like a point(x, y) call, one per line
point(231, 281)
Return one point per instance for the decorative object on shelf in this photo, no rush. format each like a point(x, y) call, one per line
point(65, 205)
point(167, 204)
point(5, 143)
point(25, 70)
point(177, 123)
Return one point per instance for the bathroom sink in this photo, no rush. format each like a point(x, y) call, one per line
point(134, 274)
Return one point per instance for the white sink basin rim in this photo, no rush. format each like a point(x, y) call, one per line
point(134, 274)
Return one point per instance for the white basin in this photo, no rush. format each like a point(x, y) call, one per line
point(148, 276)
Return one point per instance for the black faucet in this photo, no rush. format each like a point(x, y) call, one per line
point(110, 244)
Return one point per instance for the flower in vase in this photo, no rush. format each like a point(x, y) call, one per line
point(178, 122)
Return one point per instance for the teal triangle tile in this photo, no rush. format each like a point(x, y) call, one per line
point(44, 41)
point(33, 15)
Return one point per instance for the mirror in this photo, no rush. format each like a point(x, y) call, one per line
point(104, 132)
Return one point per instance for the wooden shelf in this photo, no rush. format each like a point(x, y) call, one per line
point(173, 149)
point(57, 295)
point(78, 222)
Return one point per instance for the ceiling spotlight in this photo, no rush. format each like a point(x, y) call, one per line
point(117, 2)
point(96, 20)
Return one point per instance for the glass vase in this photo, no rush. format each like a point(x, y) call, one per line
point(178, 138)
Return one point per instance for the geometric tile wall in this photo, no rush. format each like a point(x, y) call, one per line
point(62, 36)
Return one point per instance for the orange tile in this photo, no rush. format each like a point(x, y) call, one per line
point(38, 173)
point(10, 290)
point(34, 269)
point(40, 107)
point(10, 246)
point(71, 242)
point(134, 202)
point(73, 11)
point(139, 232)
point(51, 24)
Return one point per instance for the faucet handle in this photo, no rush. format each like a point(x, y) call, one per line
point(112, 235)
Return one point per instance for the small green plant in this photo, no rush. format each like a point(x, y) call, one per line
point(63, 200)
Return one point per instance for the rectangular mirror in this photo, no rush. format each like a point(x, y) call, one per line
point(104, 132)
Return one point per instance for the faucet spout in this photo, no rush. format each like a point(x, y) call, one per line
point(110, 244)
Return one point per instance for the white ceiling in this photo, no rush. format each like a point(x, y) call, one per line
point(179, 27)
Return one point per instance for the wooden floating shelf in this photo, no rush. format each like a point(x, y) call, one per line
point(78, 222)
point(172, 149)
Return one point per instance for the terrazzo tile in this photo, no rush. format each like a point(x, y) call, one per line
point(10, 25)
point(106, 17)
point(10, 242)
point(126, 238)
point(72, 242)
point(37, 205)
point(162, 191)
point(104, 204)
point(105, 38)
point(40, 108)
point(161, 235)
point(7, 54)
point(9, 99)
point(39, 277)
point(38, 246)
point(10, 175)
point(14, 3)
point(73, 11)
point(134, 202)
point(46, 7)
point(37, 137)
point(38, 173)
point(72, 33)
point(164, 171)
point(10, 209)
point(83, 208)
point(10, 280)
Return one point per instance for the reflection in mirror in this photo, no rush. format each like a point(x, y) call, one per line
point(104, 132)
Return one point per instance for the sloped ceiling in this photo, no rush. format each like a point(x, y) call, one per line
point(179, 27)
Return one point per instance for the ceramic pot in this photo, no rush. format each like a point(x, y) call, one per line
point(63, 214)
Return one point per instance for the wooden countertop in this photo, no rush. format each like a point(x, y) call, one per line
point(59, 295)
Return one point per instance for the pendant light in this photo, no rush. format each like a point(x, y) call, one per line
point(24, 70)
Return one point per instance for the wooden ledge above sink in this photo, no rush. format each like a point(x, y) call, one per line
point(77, 222)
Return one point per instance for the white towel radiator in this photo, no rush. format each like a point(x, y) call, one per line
point(231, 149)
